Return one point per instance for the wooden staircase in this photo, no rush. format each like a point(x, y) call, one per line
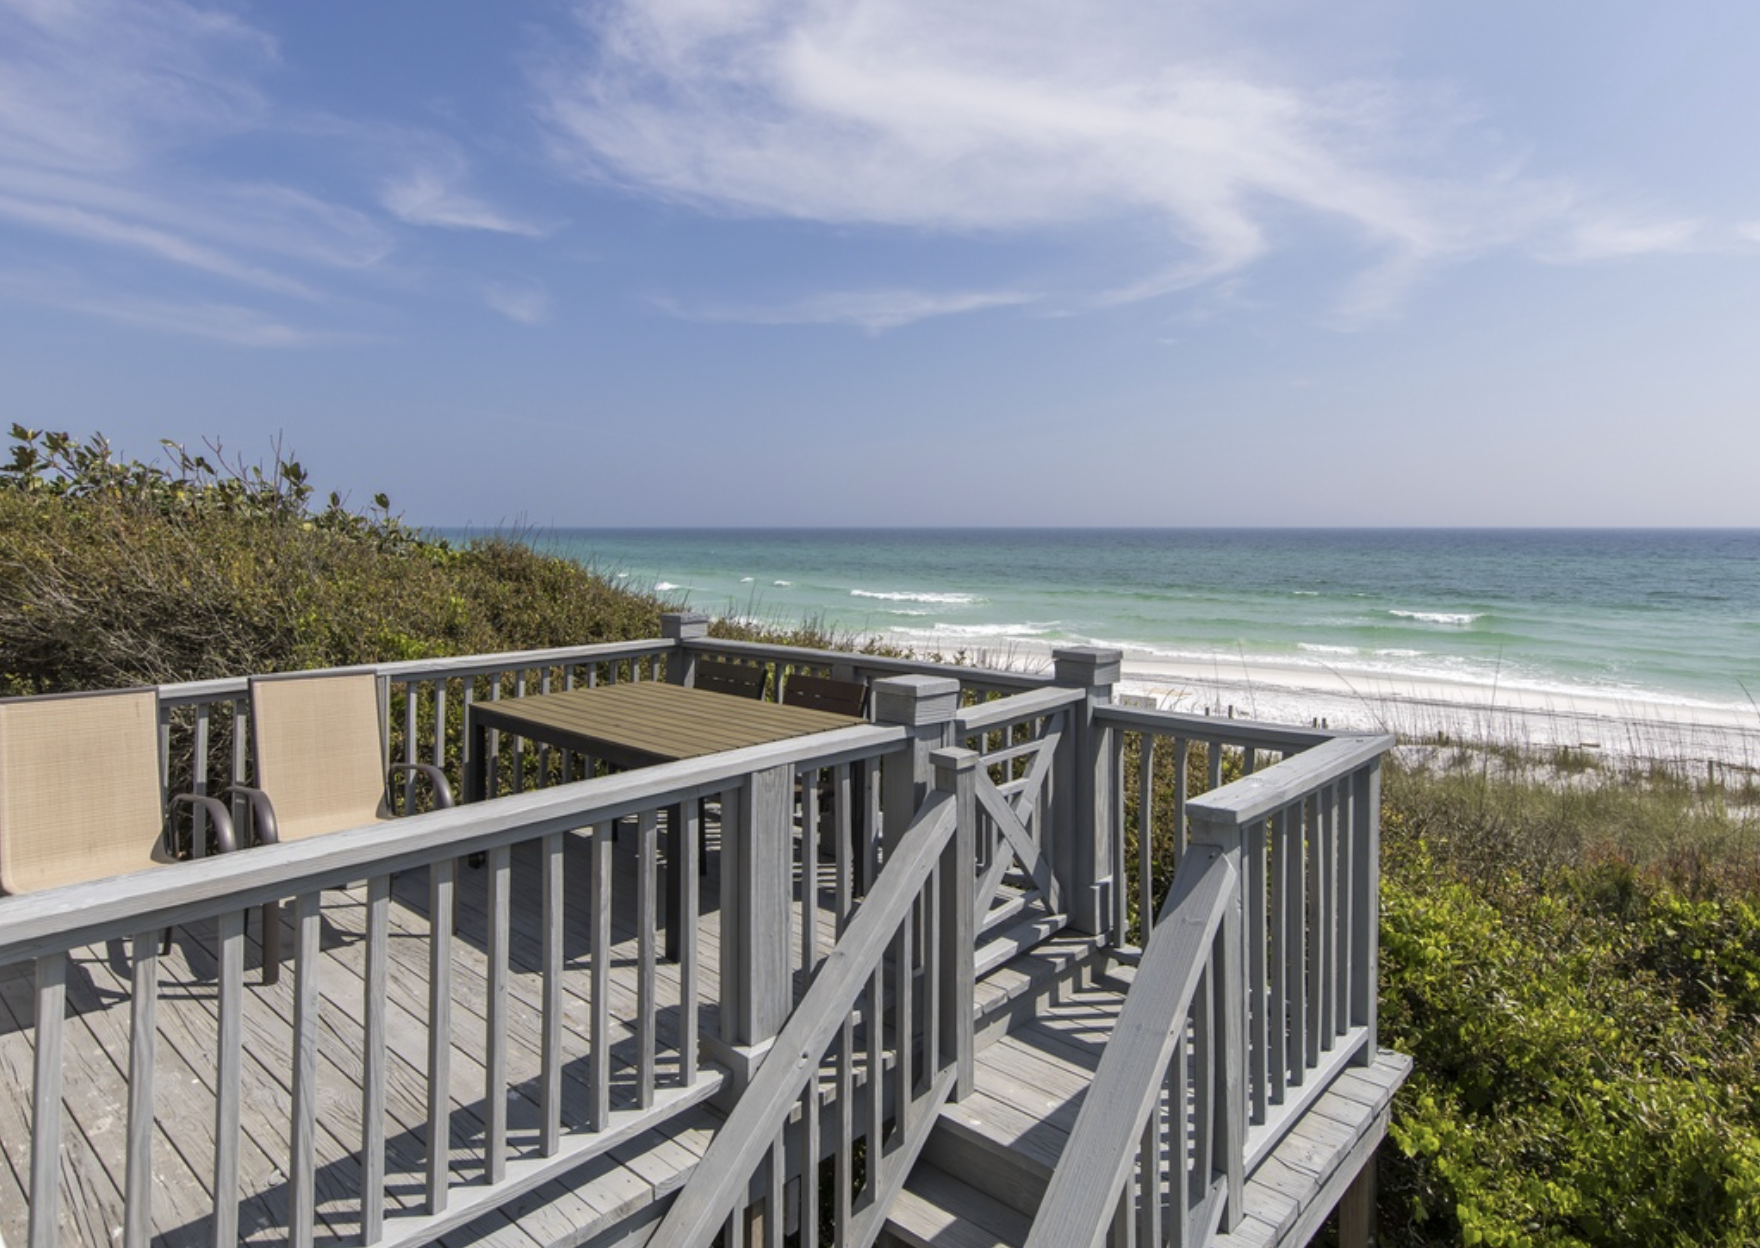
point(984, 1168)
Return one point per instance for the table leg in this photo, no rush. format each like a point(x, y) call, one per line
point(473, 764)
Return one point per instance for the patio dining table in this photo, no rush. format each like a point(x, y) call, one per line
point(639, 724)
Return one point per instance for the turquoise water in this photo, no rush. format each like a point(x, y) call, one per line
point(1671, 614)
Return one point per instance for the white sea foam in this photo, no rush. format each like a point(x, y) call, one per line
point(1313, 647)
point(784, 584)
point(1455, 619)
point(952, 600)
point(746, 580)
point(661, 587)
point(968, 631)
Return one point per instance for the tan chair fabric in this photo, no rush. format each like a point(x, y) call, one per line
point(80, 794)
point(320, 751)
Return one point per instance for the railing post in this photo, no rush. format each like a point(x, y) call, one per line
point(756, 899)
point(1082, 840)
point(682, 627)
point(926, 705)
point(1221, 832)
point(956, 772)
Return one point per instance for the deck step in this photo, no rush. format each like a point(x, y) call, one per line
point(1010, 992)
point(936, 1210)
point(1004, 1140)
point(1027, 932)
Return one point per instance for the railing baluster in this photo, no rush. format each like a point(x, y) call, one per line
point(375, 985)
point(647, 866)
point(229, 936)
point(1145, 842)
point(808, 782)
point(775, 1213)
point(1182, 1186)
point(599, 951)
point(1204, 1081)
point(1258, 986)
point(411, 730)
point(303, 1143)
point(519, 742)
point(1149, 1178)
point(550, 1057)
point(143, 1050)
point(438, 755)
point(543, 749)
point(876, 1066)
point(1277, 1010)
point(1181, 785)
point(809, 1232)
point(687, 847)
point(198, 784)
point(440, 903)
point(1295, 959)
point(1315, 1001)
point(495, 1024)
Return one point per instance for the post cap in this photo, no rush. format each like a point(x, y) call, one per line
point(1087, 665)
point(679, 625)
point(915, 700)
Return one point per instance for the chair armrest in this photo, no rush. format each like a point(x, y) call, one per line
point(436, 777)
point(218, 816)
point(262, 813)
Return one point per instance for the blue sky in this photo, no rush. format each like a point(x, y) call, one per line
point(902, 261)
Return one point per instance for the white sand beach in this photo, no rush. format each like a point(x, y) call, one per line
point(1417, 709)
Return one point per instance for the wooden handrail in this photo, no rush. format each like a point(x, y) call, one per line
point(180, 893)
point(744, 1140)
point(1079, 1201)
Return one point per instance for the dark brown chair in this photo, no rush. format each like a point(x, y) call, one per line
point(742, 680)
point(821, 693)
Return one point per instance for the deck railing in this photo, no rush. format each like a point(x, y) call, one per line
point(1255, 986)
point(1235, 862)
point(400, 1197)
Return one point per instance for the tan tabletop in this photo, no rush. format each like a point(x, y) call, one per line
point(640, 723)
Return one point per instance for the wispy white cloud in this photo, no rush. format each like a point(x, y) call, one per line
point(1169, 142)
point(215, 320)
point(873, 310)
point(1028, 117)
point(1612, 238)
point(430, 193)
point(107, 109)
point(527, 302)
point(143, 130)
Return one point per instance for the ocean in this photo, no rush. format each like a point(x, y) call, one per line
point(1656, 615)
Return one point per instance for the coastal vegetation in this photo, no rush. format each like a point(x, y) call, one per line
point(1569, 949)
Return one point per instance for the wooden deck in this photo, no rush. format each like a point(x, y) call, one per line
point(998, 1027)
point(610, 1193)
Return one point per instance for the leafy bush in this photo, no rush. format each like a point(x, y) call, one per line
point(1583, 1034)
point(119, 573)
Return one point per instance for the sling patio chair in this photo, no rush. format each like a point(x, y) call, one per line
point(840, 697)
point(81, 794)
point(821, 693)
point(318, 746)
point(743, 680)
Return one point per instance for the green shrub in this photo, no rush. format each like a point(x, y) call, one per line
point(1583, 1033)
